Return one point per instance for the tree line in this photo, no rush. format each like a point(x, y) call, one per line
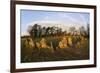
point(39, 31)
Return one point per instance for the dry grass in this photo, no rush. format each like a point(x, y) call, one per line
point(54, 49)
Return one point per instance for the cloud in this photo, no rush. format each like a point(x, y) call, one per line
point(82, 19)
point(25, 33)
point(46, 18)
point(69, 18)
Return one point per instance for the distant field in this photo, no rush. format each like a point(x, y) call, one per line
point(79, 50)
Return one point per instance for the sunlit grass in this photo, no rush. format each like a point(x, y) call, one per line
point(77, 48)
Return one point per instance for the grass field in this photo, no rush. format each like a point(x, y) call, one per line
point(79, 50)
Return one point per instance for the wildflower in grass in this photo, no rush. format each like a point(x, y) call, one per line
point(38, 45)
point(31, 43)
point(43, 43)
point(63, 43)
point(70, 41)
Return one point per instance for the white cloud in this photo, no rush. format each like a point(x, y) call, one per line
point(25, 33)
point(46, 18)
point(82, 19)
point(70, 19)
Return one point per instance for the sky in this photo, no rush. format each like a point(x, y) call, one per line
point(30, 16)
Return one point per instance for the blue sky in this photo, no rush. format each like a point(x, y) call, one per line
point(29, 16)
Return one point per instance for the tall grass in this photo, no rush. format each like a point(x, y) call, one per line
point(79, 49)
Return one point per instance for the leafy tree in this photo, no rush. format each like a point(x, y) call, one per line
point(30, 30)
point(72, 30)
point(88, 30)
point(82, 30)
